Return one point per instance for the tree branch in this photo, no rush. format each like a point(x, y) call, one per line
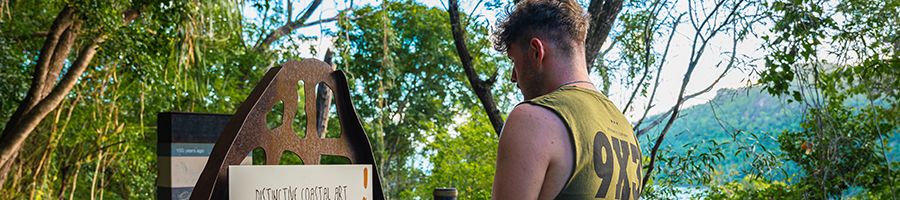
point(688, 97)
point(650, 27)
point(14, 136)
point(287, 28)
point(662, 135)
point(276, 35)
point(57, 61)
point(610, 48)
point(481, 88)
point(63, 20)
point(658, 73)
point(696, 54)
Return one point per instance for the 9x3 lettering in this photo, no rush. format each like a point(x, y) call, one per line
point(610, 149)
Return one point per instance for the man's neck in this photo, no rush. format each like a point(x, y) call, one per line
point(571, 73)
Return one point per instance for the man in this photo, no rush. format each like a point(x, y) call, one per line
point(566, 140)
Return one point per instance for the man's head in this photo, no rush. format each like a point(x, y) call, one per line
point(542, 37)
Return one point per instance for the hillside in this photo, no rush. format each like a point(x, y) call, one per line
point(742, 123)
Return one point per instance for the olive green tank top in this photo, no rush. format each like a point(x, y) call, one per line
point(607, 155)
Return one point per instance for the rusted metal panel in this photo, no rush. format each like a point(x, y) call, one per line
point(247, 130)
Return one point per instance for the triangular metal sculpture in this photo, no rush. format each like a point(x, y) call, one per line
point(247, 129)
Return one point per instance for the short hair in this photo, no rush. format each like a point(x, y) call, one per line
point(557, 20)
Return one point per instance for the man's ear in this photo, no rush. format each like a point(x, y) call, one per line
point(536, 50)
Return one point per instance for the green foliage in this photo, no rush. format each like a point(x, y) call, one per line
point(761, 137)
point(856, 33)
point(408, 82)
point(840, 150)
point(100, 142)
point(840, 134)
point(752, 187)
point(828, 55)
point(637, 31)
point(686, 171)
point(463, 159)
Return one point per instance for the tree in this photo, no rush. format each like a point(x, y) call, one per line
point(828, 55)
point(410, 85)
point(100, 135)
point(48, 88)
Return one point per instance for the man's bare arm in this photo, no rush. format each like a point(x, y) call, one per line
point(530, 140)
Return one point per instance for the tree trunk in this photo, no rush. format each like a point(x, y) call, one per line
point(482, 88)
point(603, 16)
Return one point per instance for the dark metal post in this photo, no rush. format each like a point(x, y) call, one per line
point(444, 194)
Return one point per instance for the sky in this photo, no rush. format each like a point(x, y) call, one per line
point(673, 70)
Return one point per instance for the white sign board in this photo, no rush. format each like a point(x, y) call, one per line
point(300, 182)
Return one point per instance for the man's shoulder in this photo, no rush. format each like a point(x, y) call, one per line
point(535, 142)
point(531, 118)
point(530, 124)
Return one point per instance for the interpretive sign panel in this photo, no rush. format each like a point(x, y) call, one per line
point(300, 182)
point(185, 141)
